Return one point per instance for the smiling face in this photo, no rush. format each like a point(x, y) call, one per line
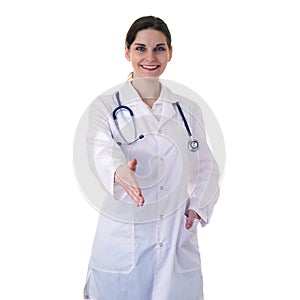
point(149, 53)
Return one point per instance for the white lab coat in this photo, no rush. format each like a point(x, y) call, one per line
point(146, 253)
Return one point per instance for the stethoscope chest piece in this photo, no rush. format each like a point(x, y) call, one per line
point(193, 145)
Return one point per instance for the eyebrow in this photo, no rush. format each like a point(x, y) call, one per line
point(157, 45)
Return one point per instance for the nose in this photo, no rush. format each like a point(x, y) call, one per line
point(151, 56)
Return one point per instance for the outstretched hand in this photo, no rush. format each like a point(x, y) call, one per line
point(124, 176)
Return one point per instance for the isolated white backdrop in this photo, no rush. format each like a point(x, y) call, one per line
point(242, 57)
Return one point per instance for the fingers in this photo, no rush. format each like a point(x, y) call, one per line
point(189, 222)
point(192, 215)
point(135, 193)
point(126, 178)
point(136, 197)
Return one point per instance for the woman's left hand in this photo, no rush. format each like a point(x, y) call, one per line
point(191, 215)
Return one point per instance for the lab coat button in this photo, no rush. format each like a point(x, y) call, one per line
point(159, 131)
point(161, 216)
point(162, 187)
point(161, 244)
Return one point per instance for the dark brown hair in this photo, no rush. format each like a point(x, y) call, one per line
point(148, 22)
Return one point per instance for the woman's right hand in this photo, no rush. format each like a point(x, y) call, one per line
point(124, 176)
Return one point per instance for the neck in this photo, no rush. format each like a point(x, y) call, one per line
point(148, 89)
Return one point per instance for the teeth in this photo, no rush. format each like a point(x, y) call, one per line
point(150, 67)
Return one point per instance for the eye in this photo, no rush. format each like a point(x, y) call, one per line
point(160, 49)
point(140, 48)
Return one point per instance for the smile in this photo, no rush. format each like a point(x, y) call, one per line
point(151, 68)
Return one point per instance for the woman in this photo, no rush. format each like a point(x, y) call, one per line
point(146, 245)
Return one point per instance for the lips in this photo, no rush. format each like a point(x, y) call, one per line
point(150, 67)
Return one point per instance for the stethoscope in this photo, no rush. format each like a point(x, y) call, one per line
point(193, 144)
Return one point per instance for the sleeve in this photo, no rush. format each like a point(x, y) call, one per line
point(203, 174)
point(104, 154)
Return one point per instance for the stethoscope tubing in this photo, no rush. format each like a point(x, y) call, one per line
point(184, 119)
point(193, 144)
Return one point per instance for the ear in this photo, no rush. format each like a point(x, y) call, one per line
point(170, 53)
point(127, 53)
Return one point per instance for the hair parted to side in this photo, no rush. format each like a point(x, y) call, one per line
point(148, 22)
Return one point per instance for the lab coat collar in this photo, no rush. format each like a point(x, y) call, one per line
point(129, 96)
point(167, 95)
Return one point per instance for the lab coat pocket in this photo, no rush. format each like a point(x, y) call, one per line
point(187, 256)
point(113, 249)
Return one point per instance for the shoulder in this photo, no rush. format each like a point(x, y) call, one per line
point(104, 100)
point(185, 101)
point(108, 101)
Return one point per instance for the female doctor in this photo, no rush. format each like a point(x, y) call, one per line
point(148, 148)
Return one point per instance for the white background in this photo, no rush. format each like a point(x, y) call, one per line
point(242, 57)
